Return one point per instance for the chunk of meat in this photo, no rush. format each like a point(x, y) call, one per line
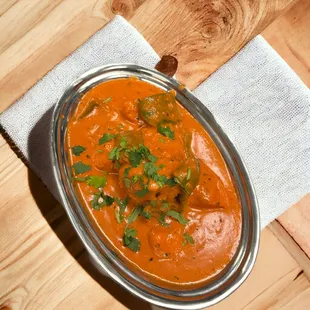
point(131, 111)
point(101, 158)
point(210, 192)
point(165, 242)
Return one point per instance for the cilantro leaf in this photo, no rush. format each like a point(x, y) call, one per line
point(127, 182)
point(150, 170)
point(80, 179)
point(106, 138)
point(80, 168)
point(188, 239)
point(78, 150)
point(97, 181)
point(153, 203)
point(146, 214)
point(126, 172)
point(130, 241)
point(162, 218)
point(114, 154)
point(130, 232)
point(100, 200)
point(189, 172)
point(107, 200)
point(134, 214)
point(142, 192)
point(123, 142)
point(134, 244)
point(152, 158)
point(165, 131)
point(107, 100)
point(161, 180)
point(145, 152)
point(181, 184)
point(165, 204)
point(177, 216)
point(171, 182)
point(122, 207)
point(134, 158)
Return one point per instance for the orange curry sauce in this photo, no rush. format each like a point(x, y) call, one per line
point(154, 182)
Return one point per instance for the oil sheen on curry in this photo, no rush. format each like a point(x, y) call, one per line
point(154, 182)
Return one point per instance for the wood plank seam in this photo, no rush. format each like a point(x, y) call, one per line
point(292, 246)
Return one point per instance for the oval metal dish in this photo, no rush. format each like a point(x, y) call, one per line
point(239, 268)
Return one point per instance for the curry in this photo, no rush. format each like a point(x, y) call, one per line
point(154, 182)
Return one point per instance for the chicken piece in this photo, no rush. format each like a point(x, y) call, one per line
point(131, 111)
point(165, 242)
point(101, 159)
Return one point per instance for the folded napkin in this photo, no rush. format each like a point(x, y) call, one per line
point(257, 99)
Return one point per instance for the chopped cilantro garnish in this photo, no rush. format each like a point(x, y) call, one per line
point(134, 158)
point(114, 154)
point(107, 100)
point(135, 179)
point(161, 180)
point(134, 244)
point(97, 181)
point(130, 241)
point(134, 214)
point(142, 192)
point(80, 179)
point(181, 184)
point(127, 182)
point(100, 200)
point(177, 216)
point(80, 168)
point(130, 232)
point(171, 182)
point(119, 213)
point(152, 158)
point(162, 218)
point(153, 203)
point(189, 171)
point(150, 170)
point(126, 172)
point(93, 180)
point(188, 239)
point(78, 150)
point(146, 214)
point(106, 138)
point(165, 131)
point(143, 150)
point(123, 142)
point(165, 204)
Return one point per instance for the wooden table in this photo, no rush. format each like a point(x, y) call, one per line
point(42, 263)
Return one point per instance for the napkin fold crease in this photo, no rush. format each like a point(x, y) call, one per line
point(256, 98)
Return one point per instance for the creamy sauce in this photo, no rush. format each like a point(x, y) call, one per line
point(170, 251)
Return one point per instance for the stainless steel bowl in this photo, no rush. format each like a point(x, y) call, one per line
point(101, 251)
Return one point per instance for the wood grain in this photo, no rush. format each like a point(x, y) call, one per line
point(289, 36)
point(42, 263)
point(203, 35)
point(43, 255)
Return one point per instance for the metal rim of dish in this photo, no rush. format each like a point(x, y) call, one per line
point(241, 264)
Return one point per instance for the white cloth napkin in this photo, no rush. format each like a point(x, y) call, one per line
point(256, 98)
